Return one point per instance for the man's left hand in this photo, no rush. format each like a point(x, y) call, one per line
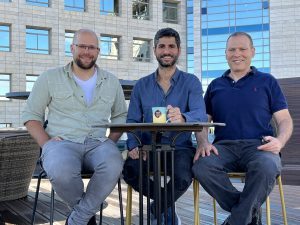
point(272, 145)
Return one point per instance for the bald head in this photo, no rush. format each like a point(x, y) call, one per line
point(84, 31)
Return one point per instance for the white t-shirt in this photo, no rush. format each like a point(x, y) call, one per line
point(88, 87)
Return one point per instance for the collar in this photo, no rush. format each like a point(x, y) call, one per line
point(101, 75)
point(174, 77)
point(252, 72)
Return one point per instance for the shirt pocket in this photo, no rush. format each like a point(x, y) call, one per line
point(63, 100)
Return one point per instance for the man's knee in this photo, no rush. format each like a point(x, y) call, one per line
point(268, 166)
point(131, 172)
point(201, 167)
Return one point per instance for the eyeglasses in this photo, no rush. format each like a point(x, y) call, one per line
point(83, 47)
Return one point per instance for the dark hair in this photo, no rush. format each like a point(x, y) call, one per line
point(235, 34)
point(167, 32)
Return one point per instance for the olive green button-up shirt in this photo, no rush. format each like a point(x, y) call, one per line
point(69, 117)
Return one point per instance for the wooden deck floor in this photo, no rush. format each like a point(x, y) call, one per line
point(19, 211)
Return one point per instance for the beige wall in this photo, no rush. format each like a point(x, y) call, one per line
point(19, 63)
point(284, 38)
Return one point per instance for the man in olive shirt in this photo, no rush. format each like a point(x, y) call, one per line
point(78, 96)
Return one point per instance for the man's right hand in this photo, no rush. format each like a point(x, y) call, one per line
point(205, 150)
point(134, 153)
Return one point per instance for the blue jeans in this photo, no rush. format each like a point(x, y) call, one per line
point(183, 161)
point(261, 169)
point(63, 162)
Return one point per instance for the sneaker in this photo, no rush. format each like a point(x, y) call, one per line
point(177, 218)
point(256, 219)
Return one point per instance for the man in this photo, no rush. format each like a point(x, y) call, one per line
point(181, 93)
point(78, 96)
point(246, 100)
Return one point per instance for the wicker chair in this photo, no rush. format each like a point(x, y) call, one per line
point(18, 155)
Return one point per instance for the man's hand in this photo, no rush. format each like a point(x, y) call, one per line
point(174, 115)
point(272, 144)
point(205, 150)
point(134, 154)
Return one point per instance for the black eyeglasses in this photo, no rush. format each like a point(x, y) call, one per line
point(87, 47)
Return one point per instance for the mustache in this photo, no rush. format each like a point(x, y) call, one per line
point(166, 55)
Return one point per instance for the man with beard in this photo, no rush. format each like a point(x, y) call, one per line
point(78, 96)
point(181, 93)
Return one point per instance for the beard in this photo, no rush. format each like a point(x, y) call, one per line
point(81, 65)
point(169, 64)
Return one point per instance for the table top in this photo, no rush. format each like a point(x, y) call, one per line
point(191, 126)
point(22, 95)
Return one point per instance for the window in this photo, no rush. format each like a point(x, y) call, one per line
point(44, 3)
point(37, 41)
point(4, 38)
point(5, 0)
point(141, 50)
point(109, 47)
point(140, 9)
point(69, 35)
point(109, 7)
point(4, 86)
point(170, 12)
point(5, 125)
point(75, 5)
point(30, 79)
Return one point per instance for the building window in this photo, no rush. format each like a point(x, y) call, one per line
point(37, 41)
point(140, 9)
point(69, 35)
point(109, 7)
point(4, 86)
point(30, 79)
point(141, 50)
point(109, 47)
point(4, 38)
point(5, 1)
point(5, 125)
point(44, 3)
point(75, 5)
point(170, 12)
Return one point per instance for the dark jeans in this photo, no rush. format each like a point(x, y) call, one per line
point(183, 161)
point(261, 169)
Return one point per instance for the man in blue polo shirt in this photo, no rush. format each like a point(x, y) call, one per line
point(181, 93)
point(246, 100)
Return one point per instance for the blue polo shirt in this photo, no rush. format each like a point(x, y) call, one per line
point(246, 106)
point(185, 92)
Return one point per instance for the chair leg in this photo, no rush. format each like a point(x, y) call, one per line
point(101, 213)
point(215, 212)
point(268, 211)
point(42, 173)
point(282, 200)
point(52, 206)
point(128, 205)
point(120, 201)
point(196, 202)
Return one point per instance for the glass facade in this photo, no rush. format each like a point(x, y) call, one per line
point(75, 5)
point(30, 79)
point(4, 86)
point(68, 41)
point(4, 38)
point(37, 41)
point(44, 3)
point(140, 9)
point(190, 36)
point(223, 17)
point(109, 47)
point(109, 7)
point(170, 12)
point(141, 50)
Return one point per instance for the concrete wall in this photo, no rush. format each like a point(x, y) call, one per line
point(284, 38)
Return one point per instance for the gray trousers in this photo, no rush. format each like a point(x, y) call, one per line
point(63, 162)
point(261, 169)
